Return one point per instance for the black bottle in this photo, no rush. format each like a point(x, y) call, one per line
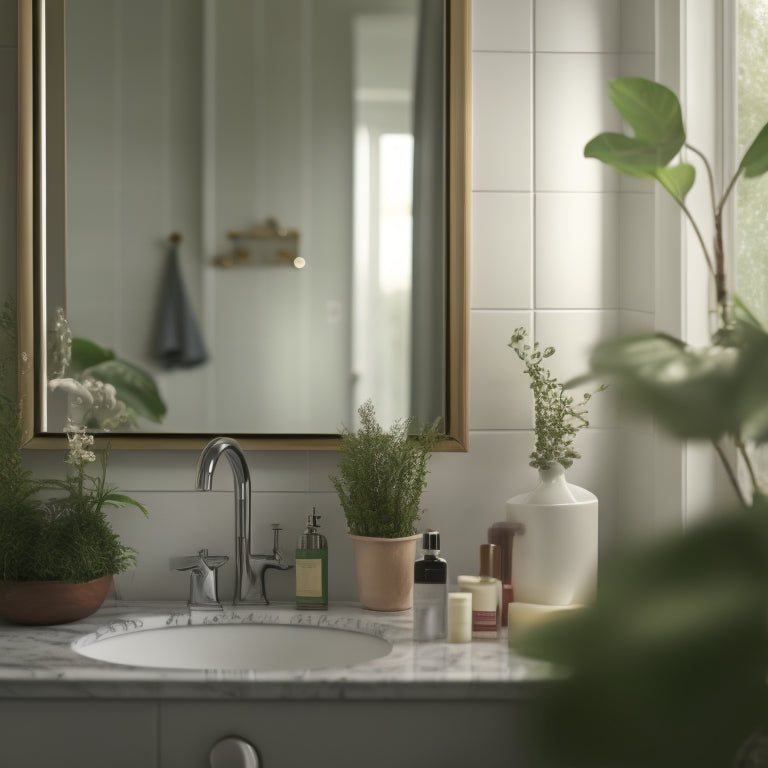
point(430, 590)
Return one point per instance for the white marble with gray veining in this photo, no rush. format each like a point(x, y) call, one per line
point(40, 661)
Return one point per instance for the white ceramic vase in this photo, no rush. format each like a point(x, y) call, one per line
point(554, 559)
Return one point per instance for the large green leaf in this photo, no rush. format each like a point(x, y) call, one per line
point(625, 154)
point(694, 392)
point(652, 110)
point(86, 353)
point(677, 179)
point(661, 377)
point(133, 386)
point(755, 160)
point(654, 113)
point(667, 668)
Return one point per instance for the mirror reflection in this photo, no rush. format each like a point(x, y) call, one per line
point(255, 206)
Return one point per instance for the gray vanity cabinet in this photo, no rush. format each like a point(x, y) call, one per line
point(130, 733)
point(64, 733)
point(346, 733)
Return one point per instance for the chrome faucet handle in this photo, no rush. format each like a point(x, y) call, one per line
point(258, 565)
point(203, 578)
point(277, 556)
point(276, 528)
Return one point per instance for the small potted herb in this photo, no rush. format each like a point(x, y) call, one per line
point(555, 560)
point(382, 476)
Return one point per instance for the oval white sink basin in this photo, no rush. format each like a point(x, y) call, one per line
point(259, 647)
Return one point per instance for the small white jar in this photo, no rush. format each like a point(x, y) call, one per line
point(459, 617)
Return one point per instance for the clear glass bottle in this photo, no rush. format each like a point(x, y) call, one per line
point(312, 566)
point(430, 590)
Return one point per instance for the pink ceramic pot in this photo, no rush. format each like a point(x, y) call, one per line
point(385, 572)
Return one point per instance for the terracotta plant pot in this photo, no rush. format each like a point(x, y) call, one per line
point(51, 602)
point(385, 572)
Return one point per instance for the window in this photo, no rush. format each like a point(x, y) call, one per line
point(751, 254)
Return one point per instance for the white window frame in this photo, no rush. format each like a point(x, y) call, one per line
point(695, 57)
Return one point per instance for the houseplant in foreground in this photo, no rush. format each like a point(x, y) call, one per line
point(555, 560)
point(382, 476)
point(668, 666)
point(58, 552)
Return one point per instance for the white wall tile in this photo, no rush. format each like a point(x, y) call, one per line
point(501, 121)
point(467, 492)
point(637, 26)
point(635, 520)
point(502, 241)
point(499, 394)
point(632, 321)
point(322, 464)
point(502, 25)
point(572, 107)
point(577, 251)
point(270, 470)
point(577, 25)
point(574, 335)
point(636, 262)
point(598, 471)
point(637, 65)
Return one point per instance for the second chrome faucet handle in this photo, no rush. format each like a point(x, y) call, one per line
point(276, 528)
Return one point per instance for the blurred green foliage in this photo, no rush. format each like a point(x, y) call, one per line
point(668, 666)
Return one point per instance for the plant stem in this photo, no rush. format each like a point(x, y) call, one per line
point(731, 474)
point(700, 237)
point(747, 462)
point(718, 268)
point(710, 175)
point(729, 189)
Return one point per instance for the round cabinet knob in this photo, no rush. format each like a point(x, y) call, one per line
point(233, 752)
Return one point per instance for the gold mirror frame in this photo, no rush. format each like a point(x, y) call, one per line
point(30, 228)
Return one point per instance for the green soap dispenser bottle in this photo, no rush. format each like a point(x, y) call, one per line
point(312, 566)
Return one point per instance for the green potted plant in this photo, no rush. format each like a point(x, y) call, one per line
point(555, 560)
point(382, 476)
point(58, 551)
point(668, 666)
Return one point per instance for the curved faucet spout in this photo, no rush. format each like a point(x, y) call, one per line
point(249, 568)
point(206, 465)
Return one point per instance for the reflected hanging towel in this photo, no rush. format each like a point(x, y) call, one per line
point(178, 343)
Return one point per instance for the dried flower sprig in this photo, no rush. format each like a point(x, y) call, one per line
point(557, 418)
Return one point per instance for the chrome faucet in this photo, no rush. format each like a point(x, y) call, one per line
point(250, 588)
point(203, 579)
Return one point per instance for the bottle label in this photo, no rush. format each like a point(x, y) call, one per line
point(309, 577)
point(484, 621)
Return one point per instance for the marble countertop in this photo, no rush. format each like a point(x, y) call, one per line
point(39, 662)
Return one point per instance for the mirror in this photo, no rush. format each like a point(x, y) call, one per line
point(263, 204)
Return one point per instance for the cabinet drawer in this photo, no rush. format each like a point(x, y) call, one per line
point(88, 734)
point(345, 734)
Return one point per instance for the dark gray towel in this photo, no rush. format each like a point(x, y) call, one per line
point(178, 343)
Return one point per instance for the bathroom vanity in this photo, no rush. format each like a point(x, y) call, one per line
point(454, 704)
